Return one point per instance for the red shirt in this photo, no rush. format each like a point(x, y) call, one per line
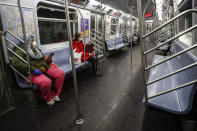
point(79, 46)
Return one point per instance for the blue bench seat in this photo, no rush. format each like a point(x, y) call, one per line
point(179, 101)
point(119, 43)
point(61, 58)
point(110, 44)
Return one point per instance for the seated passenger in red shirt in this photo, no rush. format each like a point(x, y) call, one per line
point(89, 55)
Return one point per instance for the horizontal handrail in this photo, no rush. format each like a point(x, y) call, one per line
point(163, 31)
point(97, 31)
point(175, 18)
point(16, 45)
point(175, 72)
point(112, 31)
point(51, 19)
point(20, 74)
point(97, 45)
point(14, 36)
point(97, 41)
point(124, 33)
point(96, 35)
point(98, 50)
point(171, 39)
point(169, 35)
point(170, 90)
point(124, 37)
point(17, 55)
point(175, 55)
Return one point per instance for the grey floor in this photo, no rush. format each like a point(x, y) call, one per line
point(111, 102)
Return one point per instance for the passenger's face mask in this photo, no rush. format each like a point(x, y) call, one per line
point(34, 45)
point(80, 39)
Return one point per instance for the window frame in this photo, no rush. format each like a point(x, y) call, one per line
point(53, 7)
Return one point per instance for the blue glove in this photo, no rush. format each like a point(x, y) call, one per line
point(37, 72)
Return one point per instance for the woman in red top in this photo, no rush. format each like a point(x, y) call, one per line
point(79, 46)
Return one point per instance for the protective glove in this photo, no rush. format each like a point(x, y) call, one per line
point(37, 72)
point(43, 69)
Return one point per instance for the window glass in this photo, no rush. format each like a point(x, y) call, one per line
point(76, 27)
point(47, 13)
point(52, 24)
point(185, 23)
point(92, 24)
point(113, 21)
point(52, 32)
point(113, 29)
point(1, 27)
point(100, 23)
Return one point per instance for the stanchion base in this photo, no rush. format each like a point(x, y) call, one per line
point(78, 121)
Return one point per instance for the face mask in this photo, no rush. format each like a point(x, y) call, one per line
point(80, 39)
point(35, 45)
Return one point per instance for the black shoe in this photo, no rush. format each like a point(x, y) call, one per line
point(98, 74)
point(162, 52)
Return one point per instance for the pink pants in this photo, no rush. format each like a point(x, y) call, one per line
point(45, 83)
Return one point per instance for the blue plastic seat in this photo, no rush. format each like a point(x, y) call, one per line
point(61, 58)
point(119, 43)
point(110, 45)
point(179, 101)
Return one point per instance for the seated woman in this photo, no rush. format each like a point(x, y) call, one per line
point(45, 74)
point(79, 46)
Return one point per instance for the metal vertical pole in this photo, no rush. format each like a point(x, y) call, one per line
point(83, 31)
point(84, 34)
point(25, 41)
point(171, 16)
point(130, 36)
point(142, 46)
point(103, 32)
point(193, 23)
point(84, 39)
point(115, 32)
point(79, 120)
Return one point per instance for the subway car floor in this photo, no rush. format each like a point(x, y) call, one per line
point(111, 102)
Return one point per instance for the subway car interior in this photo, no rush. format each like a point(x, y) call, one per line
point(98, 65)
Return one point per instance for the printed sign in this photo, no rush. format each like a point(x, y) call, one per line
point(86, 21)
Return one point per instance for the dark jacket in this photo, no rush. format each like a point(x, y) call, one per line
point(23, 67)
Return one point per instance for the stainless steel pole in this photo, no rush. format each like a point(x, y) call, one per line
point(104, 36)
point(79, 120)
point(83, 31)
point(116, 32)
point(142, 46)
point(25, 41)
point(130, 36)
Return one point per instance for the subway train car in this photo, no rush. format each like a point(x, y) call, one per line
point(98, 65)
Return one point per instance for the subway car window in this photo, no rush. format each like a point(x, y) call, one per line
point(52, 24)
point(113, 21)
point(92, 24)
point(1, 28)
point(100, 23)
point(52, 32)
point(113, 29)
point(185, 23)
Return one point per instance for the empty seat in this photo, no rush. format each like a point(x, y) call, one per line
point(119, 43)
point(179, 101)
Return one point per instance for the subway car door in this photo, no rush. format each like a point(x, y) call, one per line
point(97, 27)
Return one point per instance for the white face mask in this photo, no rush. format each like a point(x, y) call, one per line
point(80, 39)
point(35, 45)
